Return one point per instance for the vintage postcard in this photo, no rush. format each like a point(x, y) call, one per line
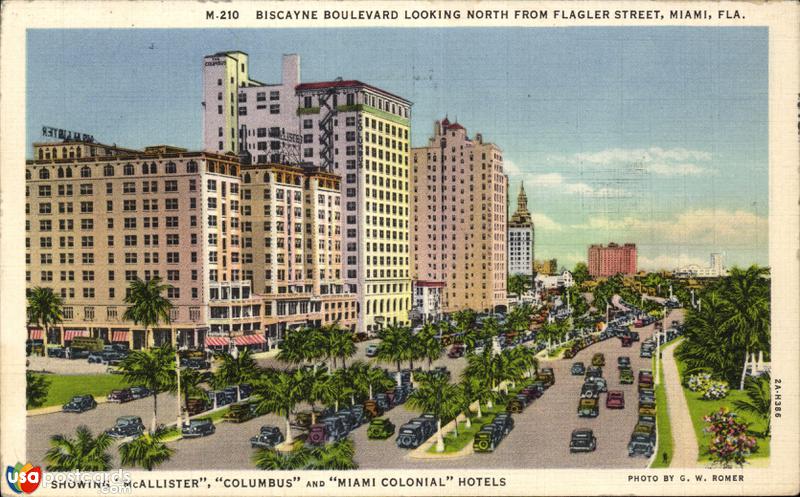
point(400, 248)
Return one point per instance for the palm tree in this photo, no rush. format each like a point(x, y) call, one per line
point(280, 393)
point(36, 387)
point(435, 394)
point(758, 400)
point(430, 346)
point(338, 388)
point(519, 319)
point(235, 370)
point(518, 284)
point(367, 379)
point(480, 367)
point(339, 343)
point(335, 456)
point(315, 388)
point(147, 450)
point(147, 306)
point(395, 345)
point(469, 391)
point(45, 309)
point(153, 368)
point(85, 452)
point(191, 379)
point(271, 459)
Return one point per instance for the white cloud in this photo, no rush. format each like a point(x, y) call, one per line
point(668, 262)
point(656, 160)
point(545, 222)
point(557, 181)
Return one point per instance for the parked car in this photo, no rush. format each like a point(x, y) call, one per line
point(532, 392)
point(645, 352)
point(428, 422)
point(546, 376)
point(357, 410)
point(196, 406)
point(487, 438)
point(647, 408)
point(239, 413)
point(267, 438)
point(126, 426)
point(96, 358)
point(114, 370)
point(640, 443)
point(594, 372)
point(646, 419)
point(457, 350)
point(504, 421)
point(517, 404)
point(626, 341)
point(140, 392)
point(349, 421)
point(441, 370)
point(615, 400)
point(372, 350)
point(623, 361)
point(599, 383)
point(588, 408)
point(647, 396)
point(80, 403)
point(578, 369)
point(200, 427)
point(329, 429)
point(582, 440)
point(372, 409)
point(538, 388)
point(411, 436)
point(590, 390)
point(56, 352)
point(626, 376)
point(380, 429)
point(120, 396)
point(598, 360)
point(195, 363)
point(647, 429)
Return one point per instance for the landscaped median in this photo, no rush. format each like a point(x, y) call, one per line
point(63, 387)
point(663, 427)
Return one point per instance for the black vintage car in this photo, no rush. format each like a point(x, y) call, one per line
point(80, 403)
point(582, 440)
point(505, 422)
point(578, 369)
point(487, 438)
point(348, 420)
point(383, 401)
point(517, 404)
point(267, 438)
point(428, 422)
point(590, 390)
point(240, 412)
point(198, 428)
point(330, 429)
point(411, 435)
point(140, 392)
point(641, 444)
point(359, 414)
point(127, 426)
point(123, 395)
point(623, 361)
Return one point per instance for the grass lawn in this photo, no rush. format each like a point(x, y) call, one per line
point(699, 408)
point(662, 424)
point(64, 387)
point(465, 435)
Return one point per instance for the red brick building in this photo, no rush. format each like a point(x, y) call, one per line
point(613, 259)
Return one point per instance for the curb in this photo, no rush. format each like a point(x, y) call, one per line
point(54, 409)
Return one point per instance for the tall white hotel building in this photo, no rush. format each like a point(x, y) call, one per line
point(349, 128)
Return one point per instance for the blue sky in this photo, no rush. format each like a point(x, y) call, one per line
point(656, 136)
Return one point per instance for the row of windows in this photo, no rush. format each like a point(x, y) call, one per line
point(110, 170)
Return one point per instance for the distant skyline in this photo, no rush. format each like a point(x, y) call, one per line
point(656, 136)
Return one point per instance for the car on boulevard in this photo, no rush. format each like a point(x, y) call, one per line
point(241, 412)
point(578, 369)
point(126, 426)
point(647, 429)
point(623, 361)
point(599, 383)
point(487, 438)
point(598, 359)
point(594, 372)
point(380, 429)
point(411, 435)
point(533, 391)
point(329, 429)
point(267, 438)
point(517, 404)
point(505, 421)
point(120, 396)
point(588, 408)
point(456, 351)
point(546, 376)
point(372, 350)
point(615, 400)
point(647, 408)
point(79, 404)
point(646, 419)
point(140, 392)
point(647, 395)
point(590, 390)
point(626, 341)
point(626, 376)
point(640, 444)
point(582, 440)
point(200, 427)
point(372, 409)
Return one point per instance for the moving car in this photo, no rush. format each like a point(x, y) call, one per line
point(120, 396)
point(198, 428)
point(372, 350)
point(582, 440)
point(615, 400)
point(590, 390)
point(380, 428)
point(626, 376)
point(578, 369)
point(126, 426)
point(80, 403)
point(267, 438)
point(623, 361)
point(598, 360)
point(588, 408)
point(487, 438)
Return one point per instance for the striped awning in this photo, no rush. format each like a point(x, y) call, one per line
point(119, 336)
point(216, 342)
point(70, 334)
point(250, 340)
point(35, 333)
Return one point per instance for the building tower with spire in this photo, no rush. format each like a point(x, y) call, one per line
point(520, 237)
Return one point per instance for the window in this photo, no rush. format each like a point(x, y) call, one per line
point(275, 109)
point(173, 239)
point(173, 275)
point(44, 174)
point(86, 172)
point(191, 167)
point(88, 293)
point(128, 205)
point(173, 293)
point(127, 169)
point(172, 221)
point(109, 205)
point(44, 190)
point(87, 207)
point(274, 95)
point(171, 204)
point(130, 240)
point(130, 223)
point(211, 185)
point(87, 241)
point(173, 257)
point(170, 168)
point(87, 224)
point(108, 170)
point(171, 185)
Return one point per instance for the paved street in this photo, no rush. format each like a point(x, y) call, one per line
point(540, 438)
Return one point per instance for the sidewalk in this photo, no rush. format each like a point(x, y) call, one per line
point(684, 442)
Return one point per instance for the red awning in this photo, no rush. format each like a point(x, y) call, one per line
point(70, 334)
point(250, 340)
point(35, 333)
point(119, 336)
point(216, 342)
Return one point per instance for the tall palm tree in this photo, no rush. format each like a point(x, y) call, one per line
point(759, 401)
point(368, 378)
point(191, 379)
point(280, 393)
point(518, 284)
point(315, 387)
point(431, 347)
point(519, 319)
point(153, 368)
point(235, 370)
point(338, 388)
point(147, 306)
point(85, 452)
point(299, 346)
point(395, 345)
point(45, 309)
point(469, 392)
point(436, 395)
point(340, 342)
point(147, 450)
